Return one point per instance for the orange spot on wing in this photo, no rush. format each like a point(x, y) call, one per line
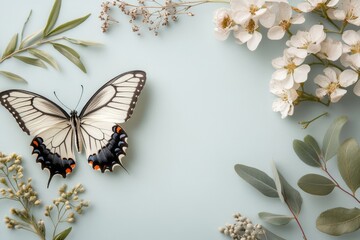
point(97, 167)
point(68, 170)
point(118, 129)
point(35, 143)
point(72, 166)
point(90, 163)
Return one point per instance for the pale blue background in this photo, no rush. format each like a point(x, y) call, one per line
point(206, 107)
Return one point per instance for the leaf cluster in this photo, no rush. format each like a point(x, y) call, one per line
point(26, 49)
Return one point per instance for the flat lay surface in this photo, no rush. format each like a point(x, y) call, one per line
point(205, 107)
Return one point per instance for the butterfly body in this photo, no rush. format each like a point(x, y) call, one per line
point(96, 129)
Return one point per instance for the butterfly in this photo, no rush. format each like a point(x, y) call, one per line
point(97, 127)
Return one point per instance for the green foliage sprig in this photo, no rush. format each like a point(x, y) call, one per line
point(18, 46)
point(336, 221)
point(62, 210)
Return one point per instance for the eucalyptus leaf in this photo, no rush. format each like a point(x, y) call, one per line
point(63, 234)
point(331, 139)
point(53, 16)
point(306, 153)
point(31, 39)
point(67, 26)
point(291, 196)
point(311, 142)
point(316, 184)
point(279, 187)
point(275, 219)
point(349, 163)
point(11, 46)
point(268, 235)
point(12, 76)
point(338, 221)
point(82, 42)
point(258, 179)
point(44, 56)
point(70, 54)
point(32, 61)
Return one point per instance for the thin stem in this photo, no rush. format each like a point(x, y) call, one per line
point(324, 9)
point(305, 124)
point(297, 221)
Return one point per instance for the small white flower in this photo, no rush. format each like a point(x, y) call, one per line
point(307, 42)
point(352, 40)
point(285, 101)
point(224, 23)
point(290, 70)
point(284, 20)
point(347, 10)
point(248, 34)
point(333, 82)
point(310, 5)
point(353, 61)
point(330, 49)
point(244, 10)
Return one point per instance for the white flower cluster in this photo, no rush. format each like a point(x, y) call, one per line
point(305, 49)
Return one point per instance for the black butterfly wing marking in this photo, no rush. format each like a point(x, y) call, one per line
point(48, 124)
point(104, 139)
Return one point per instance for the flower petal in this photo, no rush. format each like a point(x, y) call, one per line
point(321, 92)
point(301, 73)
point(322, 81)
point(253, 42)
point(357, 89)
point(297, 19)
point(305, 7)
point(337, 95)
point(276, 33)
point(348, 77)
point(332, 73)
point(351, 37)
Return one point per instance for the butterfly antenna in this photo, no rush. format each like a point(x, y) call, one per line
point(82, 91)
point(61, 101)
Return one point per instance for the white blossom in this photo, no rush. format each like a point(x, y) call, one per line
point(247, 33)
point(310, 5)
point(290, 70)
point(330, 49)
point(284, 20)
point(285, 101)
point(224, 23)
point(352, 40)
point(333, 83)
point(307, 42)
point(245, 10)
point(346, 10)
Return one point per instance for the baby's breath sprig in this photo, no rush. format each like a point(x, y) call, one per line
point(14, 187)
point(152, 13)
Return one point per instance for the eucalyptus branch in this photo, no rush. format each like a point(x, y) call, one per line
point(297, 221)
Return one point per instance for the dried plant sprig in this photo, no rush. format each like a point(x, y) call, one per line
point(152, 13)
point(29, 45)
point(15, 188)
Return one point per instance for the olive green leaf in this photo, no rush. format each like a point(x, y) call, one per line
point(331, 139)
point(70, 54)
point(11, 46)
point(82, 42)
point(291, 196)
point(338, 221)
point(311, 141)
point(349, 163)
point(45, 57)
point(268, 235)
point(258, 179)
point(24, 26)
point(275, 219)
point(12, 76)
point(31, 61)
point(316, 184)
point(67, 26)
point(63, 234)
point(306, 153)
point(53, 16)
point(31, 39)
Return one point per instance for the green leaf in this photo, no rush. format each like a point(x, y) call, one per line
point(31, 39)
point(311, 142)
point(11, 46)
point(44, 56)
point(63, 234)
point(291, 196)
point(275, 219)
point(338, 221)
point(70, 54)
point(306, 153)
point(12, 76)
point(279, 187)
point(82, 42)
point(270, 235)
point(54, 14)
point(24, 26)
point(349, 163)
point(316, 184)
point(331, 139)
point(67, 26)
point(31, 61)
point(258, 179)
